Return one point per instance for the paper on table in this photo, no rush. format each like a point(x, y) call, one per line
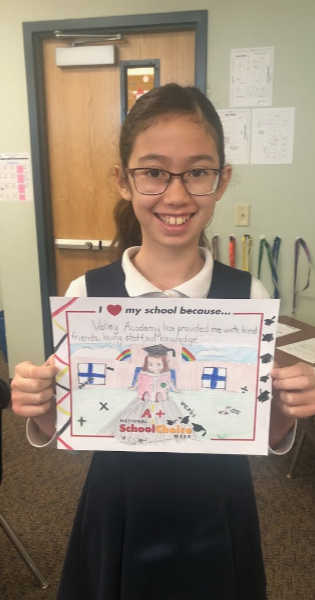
point(283, 329)
point(172, 375)
point(304, 350)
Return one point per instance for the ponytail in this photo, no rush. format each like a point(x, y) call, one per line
point(128, 232)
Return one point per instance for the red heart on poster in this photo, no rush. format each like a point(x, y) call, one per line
point(114, 309)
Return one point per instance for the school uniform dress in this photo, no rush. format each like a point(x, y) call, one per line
point(165, 526)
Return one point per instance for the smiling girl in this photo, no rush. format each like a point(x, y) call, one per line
point(165, 526)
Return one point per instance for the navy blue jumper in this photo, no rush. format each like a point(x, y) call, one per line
point(165, 526)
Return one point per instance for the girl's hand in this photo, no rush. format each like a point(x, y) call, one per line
point(293, 397)
point(33, 394)
point(296, 387)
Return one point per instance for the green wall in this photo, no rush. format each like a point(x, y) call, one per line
point(281, 197)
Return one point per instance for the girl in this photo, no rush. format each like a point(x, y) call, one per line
point(158, 525)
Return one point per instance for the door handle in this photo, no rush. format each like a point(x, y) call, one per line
point(71, 244)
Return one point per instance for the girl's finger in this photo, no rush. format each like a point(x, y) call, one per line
point(297, 370)
point(298, 399)
point(50, 362)
point(25, 399)
point(33, 410)
point(294, 383)
point(30, 386)
point(298, 412)
point(30, 371)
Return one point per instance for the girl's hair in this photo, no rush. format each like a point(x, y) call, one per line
point(167, 99)
point(164, 361)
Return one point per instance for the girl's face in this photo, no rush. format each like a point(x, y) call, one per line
point(175, 218)
point(155, 364)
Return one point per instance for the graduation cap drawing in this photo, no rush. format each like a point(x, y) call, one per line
point(270, 321)
point(159, 350)
point(263, 396)
point(264, 378)
point(266, 358)
point(267, 337)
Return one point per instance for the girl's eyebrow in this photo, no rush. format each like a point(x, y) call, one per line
point(191, 159)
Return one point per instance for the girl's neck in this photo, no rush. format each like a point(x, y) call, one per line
point(169, 267)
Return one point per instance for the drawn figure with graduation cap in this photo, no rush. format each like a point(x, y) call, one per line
point(154, 380)
point(153, 405)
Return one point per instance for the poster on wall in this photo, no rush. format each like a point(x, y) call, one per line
point(251, 77)
point(15, 178)
point(173, 375)
point(272, 136)
point(237, 131)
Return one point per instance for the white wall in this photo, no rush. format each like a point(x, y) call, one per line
point(282, 197)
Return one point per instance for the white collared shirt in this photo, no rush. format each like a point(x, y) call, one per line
point(137, 285)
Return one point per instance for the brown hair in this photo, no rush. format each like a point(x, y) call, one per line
point(164, 361)
point(170, 98)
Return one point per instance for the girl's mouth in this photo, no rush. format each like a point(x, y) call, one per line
point(174, 219)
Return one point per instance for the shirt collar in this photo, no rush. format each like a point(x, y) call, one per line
point(196, 287)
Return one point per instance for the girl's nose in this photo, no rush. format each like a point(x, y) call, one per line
point(176, 192)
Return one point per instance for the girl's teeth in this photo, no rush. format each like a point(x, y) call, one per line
point(174, 220)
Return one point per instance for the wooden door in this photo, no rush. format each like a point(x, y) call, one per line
point(83, 122)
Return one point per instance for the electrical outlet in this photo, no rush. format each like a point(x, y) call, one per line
point(242, 215)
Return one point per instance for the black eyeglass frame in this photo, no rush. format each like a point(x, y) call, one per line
point(171, 175)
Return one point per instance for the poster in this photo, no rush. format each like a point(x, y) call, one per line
point(15, 178)
point(251, 77)
point(173, 375)
point(237, 130)
point(272, 136)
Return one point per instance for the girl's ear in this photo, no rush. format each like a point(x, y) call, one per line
point(224, 181)
point(122, 183)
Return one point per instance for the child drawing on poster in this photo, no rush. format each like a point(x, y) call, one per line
point(154, 379)
point(148, 416)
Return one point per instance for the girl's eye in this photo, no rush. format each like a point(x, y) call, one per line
point(198, 173)
point(154, 173)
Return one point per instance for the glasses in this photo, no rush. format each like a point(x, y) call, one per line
point(197, 182)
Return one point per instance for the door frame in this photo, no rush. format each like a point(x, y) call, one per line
point(34, 33)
